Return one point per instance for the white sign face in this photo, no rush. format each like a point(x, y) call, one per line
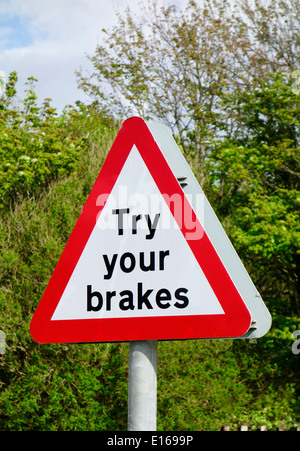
point(136, 262)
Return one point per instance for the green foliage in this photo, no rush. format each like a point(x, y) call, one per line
point(35, 146)
point(207, 384)
point(54, 387)
point(254, 185)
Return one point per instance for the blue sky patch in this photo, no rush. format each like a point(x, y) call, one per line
point(13, 33)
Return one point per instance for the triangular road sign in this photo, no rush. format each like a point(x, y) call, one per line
point(139, 264)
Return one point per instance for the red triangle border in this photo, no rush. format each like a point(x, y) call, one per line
point(234, 323)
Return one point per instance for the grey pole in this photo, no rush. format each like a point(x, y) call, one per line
point(142, 386)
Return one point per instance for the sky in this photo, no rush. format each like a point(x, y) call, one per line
point(49, 40)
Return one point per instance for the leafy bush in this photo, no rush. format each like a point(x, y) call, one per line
point(35, 146)
point(53, 387)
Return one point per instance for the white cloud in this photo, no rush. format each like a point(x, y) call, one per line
point(57, 35)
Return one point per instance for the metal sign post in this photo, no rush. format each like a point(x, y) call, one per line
point(142, 386)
